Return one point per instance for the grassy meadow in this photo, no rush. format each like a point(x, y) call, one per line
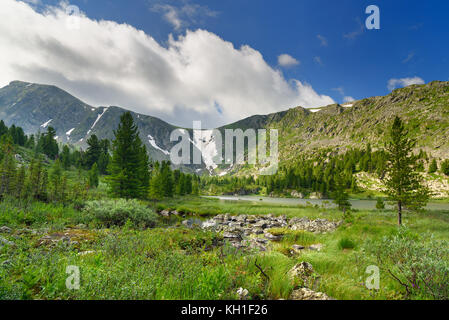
point(167, 260)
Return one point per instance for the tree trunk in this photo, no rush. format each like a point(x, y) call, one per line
point(400, 213)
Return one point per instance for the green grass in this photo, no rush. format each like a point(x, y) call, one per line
point(179, 263)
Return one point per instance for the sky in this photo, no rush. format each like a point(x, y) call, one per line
point(221, 61)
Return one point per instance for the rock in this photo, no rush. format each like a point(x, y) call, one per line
point(231, 235)
point(243, 293)
point(209, 224)
point(5, 229)
point(296, 194)
point(18, 158)
point(296, 248)
point(165, 213)
point(272, 237)
point(5, 242)
point(261, 224)
point(257, 231)
point(316, 247)
point(316, 195)
point(85, 253)
point(54, 239)
point(302, 271)
point(81, 226)
point(307, 294)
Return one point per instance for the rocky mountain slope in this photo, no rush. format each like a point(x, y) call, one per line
point(425, 109)
point(34, 107)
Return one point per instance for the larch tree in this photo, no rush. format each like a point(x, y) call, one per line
point(403, 182)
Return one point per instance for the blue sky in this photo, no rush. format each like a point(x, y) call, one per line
point(336, 54)
point(413, 39)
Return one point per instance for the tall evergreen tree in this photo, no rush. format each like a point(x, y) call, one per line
point(93, 152)
point(125, 167)
point(66, 158)
point(48, 144)
point(340, 195)
point(433, 166)
point(403, 182)
point(93, 176)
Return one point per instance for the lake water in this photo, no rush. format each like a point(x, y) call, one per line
point(356, 204)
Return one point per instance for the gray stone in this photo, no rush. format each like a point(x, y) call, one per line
point(5, 229)
point(272, 237)
point(307, 294)
point(316, 247)
point(5, 242)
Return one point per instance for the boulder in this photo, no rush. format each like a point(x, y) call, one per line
point(272, 237)
point(242, 293)
point(316, 247)
point(307, 294)
point(5, 229)
point(302, 271)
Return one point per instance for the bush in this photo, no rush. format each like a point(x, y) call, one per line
point(445, 167)
point(117, 212)
point(420, 266)
point(346, 243)
point(380, 205)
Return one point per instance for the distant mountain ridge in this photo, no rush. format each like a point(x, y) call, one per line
point(425, 108)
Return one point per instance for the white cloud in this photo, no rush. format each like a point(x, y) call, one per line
point(318, 61)
point(357, 32)
point(348, 99)
point(409, 57)
point(184, 15)
point(323, 40)
point(197, 76)
point(403, 82)
point(286, 60)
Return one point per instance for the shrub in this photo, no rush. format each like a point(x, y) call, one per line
point(380, 205)
point(420, 266)
point(346, 243)
point(117, 212)
point(445, 167)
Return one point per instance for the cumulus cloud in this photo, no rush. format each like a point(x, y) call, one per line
point(323, 40)
point(348, 99)
point(196, 76)
point(286, 60)
point(403, 82)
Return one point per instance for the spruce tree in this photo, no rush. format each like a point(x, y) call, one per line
point(93, 152)
point(56, 181)
point(65, 158)
point(433, 166)
point(403, 182)
point(125, 167)
point(93, 176)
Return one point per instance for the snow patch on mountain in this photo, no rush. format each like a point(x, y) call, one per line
point(204, 140)
point(44, 125)
point(154, 145)
point(96, 121)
